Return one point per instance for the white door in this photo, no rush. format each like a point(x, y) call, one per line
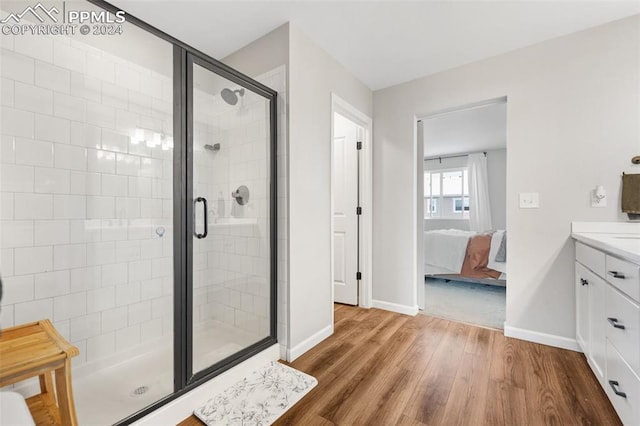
point(345, 202)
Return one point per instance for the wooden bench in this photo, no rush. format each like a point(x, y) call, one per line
point(37, 349)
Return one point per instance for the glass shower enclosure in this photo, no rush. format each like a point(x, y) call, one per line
point(137, 209)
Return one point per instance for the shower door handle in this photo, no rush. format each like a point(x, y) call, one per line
point(206, 226)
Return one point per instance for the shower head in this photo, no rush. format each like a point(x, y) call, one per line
point(231, 96)
point(215, 147)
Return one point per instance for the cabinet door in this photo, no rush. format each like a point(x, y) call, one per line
point(582, 309)
point(597, 297)
point(621, 379)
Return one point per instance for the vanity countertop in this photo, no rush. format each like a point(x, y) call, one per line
point(619, 239)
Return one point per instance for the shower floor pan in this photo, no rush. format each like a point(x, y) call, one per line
point(118, 388)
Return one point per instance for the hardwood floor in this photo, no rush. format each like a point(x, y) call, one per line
point(383, 368)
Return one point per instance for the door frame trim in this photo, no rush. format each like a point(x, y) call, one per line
point(342, 107)
point(418, 186)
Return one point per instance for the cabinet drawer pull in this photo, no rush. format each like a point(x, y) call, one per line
point(616, 274)
point(583, 281)
point(613, 385)
point(614, 322)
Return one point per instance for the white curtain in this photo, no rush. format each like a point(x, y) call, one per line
point(479, 205)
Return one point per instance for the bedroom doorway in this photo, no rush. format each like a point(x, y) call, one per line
point(350, 205)
point(464, 214)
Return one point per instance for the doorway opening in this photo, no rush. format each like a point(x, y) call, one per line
point(351, 194)
point(464, 235)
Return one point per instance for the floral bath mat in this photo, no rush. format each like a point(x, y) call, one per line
point(258, 399)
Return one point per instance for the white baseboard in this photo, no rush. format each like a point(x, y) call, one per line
point(309, 343)
point(182, 407)
point(394, 307)
point(542, 338)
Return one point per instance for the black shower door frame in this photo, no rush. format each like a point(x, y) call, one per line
point(184, 57)
point(188, 205)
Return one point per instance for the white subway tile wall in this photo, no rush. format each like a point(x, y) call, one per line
point(80, 202)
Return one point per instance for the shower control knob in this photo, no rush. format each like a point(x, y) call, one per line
point(241, 195)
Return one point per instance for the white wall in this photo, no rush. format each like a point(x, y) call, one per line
point(314, 75)
point(447, 163)
point(262, 55)
point(572, 123)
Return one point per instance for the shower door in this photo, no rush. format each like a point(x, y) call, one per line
point(232, 227)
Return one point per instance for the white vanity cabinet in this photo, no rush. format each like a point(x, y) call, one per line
point(608, 324)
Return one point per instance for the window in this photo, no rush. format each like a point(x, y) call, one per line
point(446, 194)
point(457, 204)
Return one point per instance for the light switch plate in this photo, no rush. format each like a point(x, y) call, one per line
point(529, 200)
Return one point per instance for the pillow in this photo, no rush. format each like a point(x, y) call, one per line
point(501, 256)
point(496, 242)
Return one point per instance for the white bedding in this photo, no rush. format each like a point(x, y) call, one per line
point(446, 248)
point(436, 270)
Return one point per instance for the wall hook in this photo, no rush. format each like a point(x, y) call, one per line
point(636, 159)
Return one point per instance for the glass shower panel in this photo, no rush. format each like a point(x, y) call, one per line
point(87, 206)
point(231, 241)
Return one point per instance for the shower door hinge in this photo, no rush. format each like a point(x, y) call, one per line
point(358, 145)
point(358, 275)
point(358, 211)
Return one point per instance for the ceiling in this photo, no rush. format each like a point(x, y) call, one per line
point(383, 43)
point(469, 130)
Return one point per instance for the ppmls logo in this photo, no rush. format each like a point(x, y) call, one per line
point(39, 11)
point(43, 20)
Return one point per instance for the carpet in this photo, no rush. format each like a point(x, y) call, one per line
point(471, 303)
point(258, 399)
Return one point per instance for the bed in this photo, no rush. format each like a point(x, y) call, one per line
point(478, 257)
